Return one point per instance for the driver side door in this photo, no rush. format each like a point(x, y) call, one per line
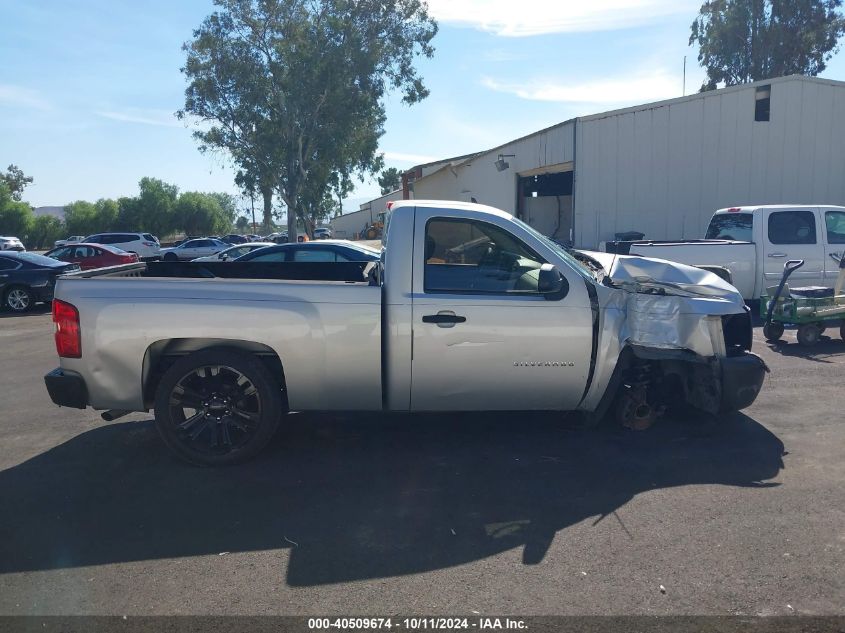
point(484, 338)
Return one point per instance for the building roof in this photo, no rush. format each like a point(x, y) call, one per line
point(56, 212)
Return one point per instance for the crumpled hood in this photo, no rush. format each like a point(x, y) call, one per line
point(645, 275)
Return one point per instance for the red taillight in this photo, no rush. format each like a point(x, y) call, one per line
point(131, 258)
point(68, 338)
point(734, 209)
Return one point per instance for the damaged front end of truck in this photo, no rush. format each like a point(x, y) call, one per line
point(675, 336)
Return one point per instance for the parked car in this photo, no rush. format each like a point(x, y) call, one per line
point(323, 233)
point(11, 244)
point(73, 239)
point(26, 279)
point(233, 252)
point(523, 325)
point(90, 256)
point(280, 238)
point(232, 238)
point(254, 238)
point(144, 245)
point(194, 248)
point(185, 239)
point(322, 251)
point(752, 243)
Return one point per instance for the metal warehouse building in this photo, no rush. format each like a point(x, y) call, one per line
point(660, 168)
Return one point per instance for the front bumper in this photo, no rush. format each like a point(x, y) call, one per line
point(742, 378)
point(67, 388)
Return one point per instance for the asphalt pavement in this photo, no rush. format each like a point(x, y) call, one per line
point(448, 514)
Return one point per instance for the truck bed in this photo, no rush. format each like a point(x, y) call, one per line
point(350, 272)
point(324, 319)
point(740, 258)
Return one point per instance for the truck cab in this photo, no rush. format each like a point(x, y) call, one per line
point(752, 243)
point(815, 234)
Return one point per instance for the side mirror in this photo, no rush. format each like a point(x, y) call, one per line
point(224, 256)
point(552, 284)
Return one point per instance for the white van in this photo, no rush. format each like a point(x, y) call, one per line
point(143, 245)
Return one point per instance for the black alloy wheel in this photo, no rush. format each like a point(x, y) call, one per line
point(217, 407)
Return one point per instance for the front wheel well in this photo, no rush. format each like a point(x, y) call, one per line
point(162, 354)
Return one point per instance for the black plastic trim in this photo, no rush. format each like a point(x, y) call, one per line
point(66, 389)
point(594, 306)
point(742, 378)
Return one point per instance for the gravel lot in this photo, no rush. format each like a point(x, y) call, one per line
point(512, 514)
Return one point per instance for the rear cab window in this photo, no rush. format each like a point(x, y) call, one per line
point(731, 226)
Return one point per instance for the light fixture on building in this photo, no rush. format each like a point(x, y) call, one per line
point(501, 164)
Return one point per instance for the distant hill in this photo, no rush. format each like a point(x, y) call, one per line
point(57, 212)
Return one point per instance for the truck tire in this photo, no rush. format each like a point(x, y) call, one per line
point(217, 407)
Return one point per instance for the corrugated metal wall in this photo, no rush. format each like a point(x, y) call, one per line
point(479, 178)
point(663, 170)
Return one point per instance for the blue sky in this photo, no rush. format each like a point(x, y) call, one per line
point(88, 88)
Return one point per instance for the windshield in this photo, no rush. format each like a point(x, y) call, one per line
point(730, 226)
point(559, 250)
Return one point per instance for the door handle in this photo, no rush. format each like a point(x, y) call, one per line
point(777, 254)
point(837, 257)
point(444, 318)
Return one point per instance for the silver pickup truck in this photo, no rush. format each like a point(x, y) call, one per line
point(469, 309)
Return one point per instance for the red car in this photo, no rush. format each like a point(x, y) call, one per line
point(90, 256)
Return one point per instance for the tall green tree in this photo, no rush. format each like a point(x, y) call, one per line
point(747, 40)
point(390, 180)
point(15, 216)
point(200, 214)
point(43, 231)
point(16, 181)
point(285, 86)
point(242, 224)
point(81, 218)
point(106, 211)
point(152, 210)
point(228, 207)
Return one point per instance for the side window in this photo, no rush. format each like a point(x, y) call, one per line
point(792, 227)
point(278, 256)
point(110, 239)
point(466, 256)
point(314, 255)
point(96, 239)
point(6, 264)
point(835, 223)
point(62, 252)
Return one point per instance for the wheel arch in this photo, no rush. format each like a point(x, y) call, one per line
point(159, 356)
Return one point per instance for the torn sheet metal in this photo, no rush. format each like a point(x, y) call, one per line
point(647, 275)
point(669, 305)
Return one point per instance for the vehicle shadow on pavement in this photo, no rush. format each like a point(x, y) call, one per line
point(827, 346)
point(359, 498)
point(41, 308)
